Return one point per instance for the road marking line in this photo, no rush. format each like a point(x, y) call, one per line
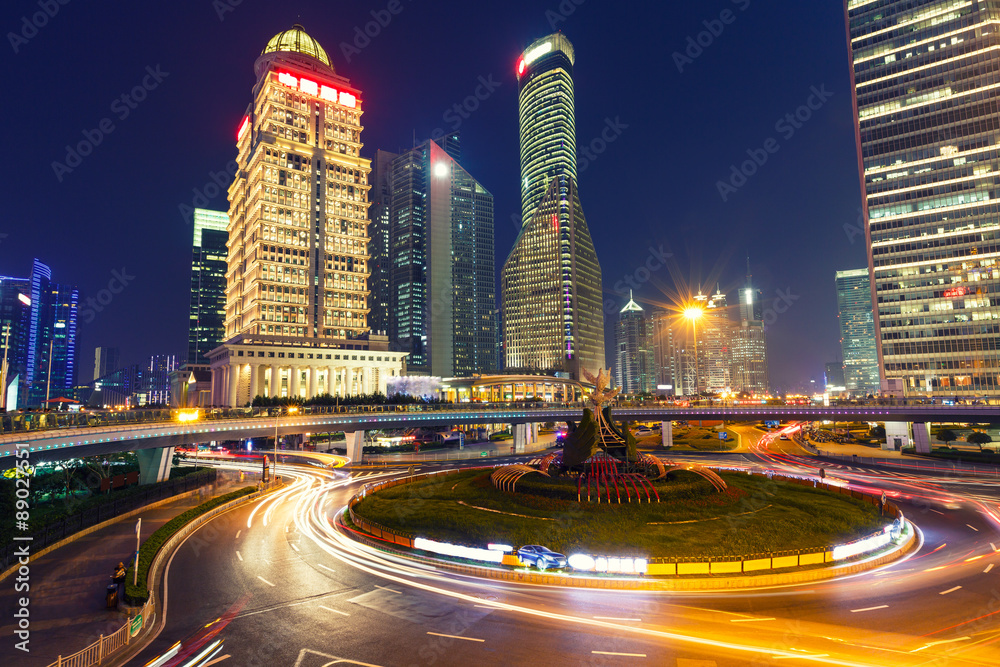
point(292, 544)
point(335, 611)
point(804, 655)
point(936, 512)
point(239, 556)
point(882, 606)
point(265, 580)
point(238, 533)
point(943, 641)
point(994, 546)
point(988, 568)
point(613, 618)
point(950, 590)
point(972, 527)
point(325, 567)
point(391, 590)
point(749, 620)
point(468, 639)
point(628, 655)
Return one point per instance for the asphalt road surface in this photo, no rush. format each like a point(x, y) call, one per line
point(277, 585)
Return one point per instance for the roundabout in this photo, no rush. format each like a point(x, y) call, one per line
point(601, 514)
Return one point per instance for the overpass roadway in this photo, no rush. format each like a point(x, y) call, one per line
point(90, 441)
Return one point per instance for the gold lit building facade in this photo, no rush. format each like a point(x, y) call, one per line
point(297, 277)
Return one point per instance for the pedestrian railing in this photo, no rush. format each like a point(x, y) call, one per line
point(105, 646)
point(918, 464)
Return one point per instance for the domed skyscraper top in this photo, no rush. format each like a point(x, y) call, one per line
point(297, 41)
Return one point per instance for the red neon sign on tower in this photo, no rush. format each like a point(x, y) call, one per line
point(310, 87)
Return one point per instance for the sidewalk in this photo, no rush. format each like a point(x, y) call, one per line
point(67, 586)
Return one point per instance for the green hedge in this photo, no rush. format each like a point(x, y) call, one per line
point(140, 593)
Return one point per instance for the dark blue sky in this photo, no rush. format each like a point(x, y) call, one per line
point(654, 184)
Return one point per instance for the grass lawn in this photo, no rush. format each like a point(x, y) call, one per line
point(755, 515)
point(693, 440)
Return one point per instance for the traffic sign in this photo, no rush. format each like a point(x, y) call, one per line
point(136, 625)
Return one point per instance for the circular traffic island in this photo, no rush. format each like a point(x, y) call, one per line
point(682, 525)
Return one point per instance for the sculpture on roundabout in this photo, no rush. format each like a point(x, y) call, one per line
point(603, 456)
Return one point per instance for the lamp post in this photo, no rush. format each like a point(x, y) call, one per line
point(3, 366)
point(694, 313)
point(291, 410)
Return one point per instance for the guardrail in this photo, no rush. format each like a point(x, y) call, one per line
point(100, 650)
point(473, 451)
point(63, 528)
point(749, 563)
point(919, 464)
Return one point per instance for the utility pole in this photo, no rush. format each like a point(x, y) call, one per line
point(48, 379)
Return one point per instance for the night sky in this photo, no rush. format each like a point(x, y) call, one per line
point(655, 184)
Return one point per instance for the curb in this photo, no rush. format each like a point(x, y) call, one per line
point(647, 584)
point(92, 529)
point(156, 568)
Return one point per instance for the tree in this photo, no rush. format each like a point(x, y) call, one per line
point(946, 435)
point(877, 433)
point(979, 438)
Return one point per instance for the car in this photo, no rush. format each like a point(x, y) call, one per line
point(541, 557)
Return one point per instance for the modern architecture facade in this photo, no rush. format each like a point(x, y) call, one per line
point(106, 360)
point(379, 262)
point(297, 268)
point(749, 372)
point(635, 357)
point(551, 280)
point(925, 89)
point(857, 331)
point(52, 338)
point(716, 332)
point(665, 352)
point(15, 339)
point(207, 311)
point(441, 266)
point(136, 385)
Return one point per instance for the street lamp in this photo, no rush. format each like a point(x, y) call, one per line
point(693, 314)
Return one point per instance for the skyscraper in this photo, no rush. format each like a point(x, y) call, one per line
point(378, 231)
point(15, 330)
point(207, 313)
point(635, 359)
point(297, 276)
point(105, 361)
point(749, 345)
point(441, 274)
point(716, 332)
point(665, 352)
point(928, 135)
point(551, 281)
point(51, 368)
point(857, 331)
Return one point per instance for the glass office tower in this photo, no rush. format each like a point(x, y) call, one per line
point(925, 74)
point(635, 360)
point(441, 266)
point(207, 313)
point(857, 331)
point(551, 281)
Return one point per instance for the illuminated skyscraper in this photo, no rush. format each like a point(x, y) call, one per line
point(749, 343)
point(52, 343)
point(207, 312)
point(857, 331)
point(635, 360)
point(441, 277)
point(926, 107)
point(551, 281)
point(297, 277)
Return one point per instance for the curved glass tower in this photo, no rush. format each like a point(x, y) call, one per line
point(551, 281)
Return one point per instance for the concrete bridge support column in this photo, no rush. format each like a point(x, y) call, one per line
point(355, 446)
point(534, 432)
point(897, 435)
point(921, 437)
point(667, 434)
point(154, 464)
point(520, 437)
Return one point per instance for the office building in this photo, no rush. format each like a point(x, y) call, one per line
point(635, 358)
point(297, 276)
point(665, 353)
point(105, 361)
point(441, 273)
point(716, 332)
point(52, 344)
point(749, 344)
point(15, 330)
point(551, 280)
point(857, 331)
point(378, 231)
point(207, 311)
point(136, 385)
point(928, 153)
point(834, 376)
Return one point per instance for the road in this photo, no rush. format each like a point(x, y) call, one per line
point(302, 594)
